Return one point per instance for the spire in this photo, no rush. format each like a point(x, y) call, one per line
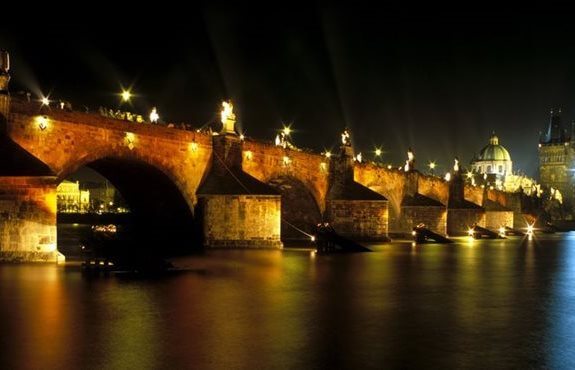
point(555, 131)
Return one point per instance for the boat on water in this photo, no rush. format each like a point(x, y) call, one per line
point(108, 249)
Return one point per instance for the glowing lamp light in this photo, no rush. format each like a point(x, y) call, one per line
point(126, 95)
point(502, 231)
point(378, 152)
point(130, 139)
point(242, 137)
point(470, 231)
point(389, 167)
point(413, 233)
point(154, 116)
point(432, 165)
point(312, 238)
point(286, 160)
point(193, 146)
point(469, 175)
point(248, 154)
point(448, 176)
point(530, 229)
point(42, 122)
point(286, 130)
point(45, 101)
point(328, 154)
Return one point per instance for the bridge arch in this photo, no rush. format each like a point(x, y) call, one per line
point(161, 213)
point(299, 207)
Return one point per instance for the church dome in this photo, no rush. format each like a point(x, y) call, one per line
point(493, 151)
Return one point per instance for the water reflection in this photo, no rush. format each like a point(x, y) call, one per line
point(504, 303)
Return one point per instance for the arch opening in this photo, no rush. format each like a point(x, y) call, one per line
point(159, 220)
point(299, 210)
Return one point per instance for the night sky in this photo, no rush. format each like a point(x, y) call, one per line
point(438, 82)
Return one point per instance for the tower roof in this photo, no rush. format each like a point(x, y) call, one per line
point(555, 131)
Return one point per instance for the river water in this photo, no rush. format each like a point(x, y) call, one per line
point(474, 304)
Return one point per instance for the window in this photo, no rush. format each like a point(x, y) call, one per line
point(488, 168)
point(500, 169)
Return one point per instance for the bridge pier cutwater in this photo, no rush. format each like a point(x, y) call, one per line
point(235, 192)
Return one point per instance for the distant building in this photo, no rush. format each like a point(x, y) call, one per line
point(103, 196)
point(493, 167)
point(71, 198)
point(493, 161)
point(556, 160)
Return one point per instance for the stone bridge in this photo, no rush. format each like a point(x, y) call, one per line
point(216, 190)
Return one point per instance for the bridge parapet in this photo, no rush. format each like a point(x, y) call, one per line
point(267, 162)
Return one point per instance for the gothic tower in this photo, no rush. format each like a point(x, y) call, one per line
point(556, 160)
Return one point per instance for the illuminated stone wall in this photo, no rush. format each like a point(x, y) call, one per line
point(359, 219)
point(434, 218)
point(71, 140)
point(28, 219)
point(474, 194)
point(460, 220)
point(241, 221)
point(495, 219)
point(266, 162)
point(389, 183)
point(434, 188)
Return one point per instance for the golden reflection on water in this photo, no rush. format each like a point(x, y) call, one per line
point(401, 306)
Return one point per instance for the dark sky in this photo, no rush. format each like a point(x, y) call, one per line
point(439, 82)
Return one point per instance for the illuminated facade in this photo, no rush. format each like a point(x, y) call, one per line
point(71, 198)
point(493, 160)
point(556, 157)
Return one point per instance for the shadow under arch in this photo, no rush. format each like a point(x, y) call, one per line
point(160, 217)
point(298, 208)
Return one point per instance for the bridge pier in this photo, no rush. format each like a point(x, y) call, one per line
point(28, 219)
point(354, 210)
point(27, 196)
point(462, 214)
point(237, 211)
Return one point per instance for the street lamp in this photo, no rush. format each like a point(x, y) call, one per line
point(432, 166)
point(286, 130)
point(126, 95)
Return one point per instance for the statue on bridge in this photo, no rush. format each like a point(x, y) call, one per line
point(410, 163)
point(345, 137)
point(456, 165)
point(228, 117)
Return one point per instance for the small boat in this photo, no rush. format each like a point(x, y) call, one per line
point(105, 250)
